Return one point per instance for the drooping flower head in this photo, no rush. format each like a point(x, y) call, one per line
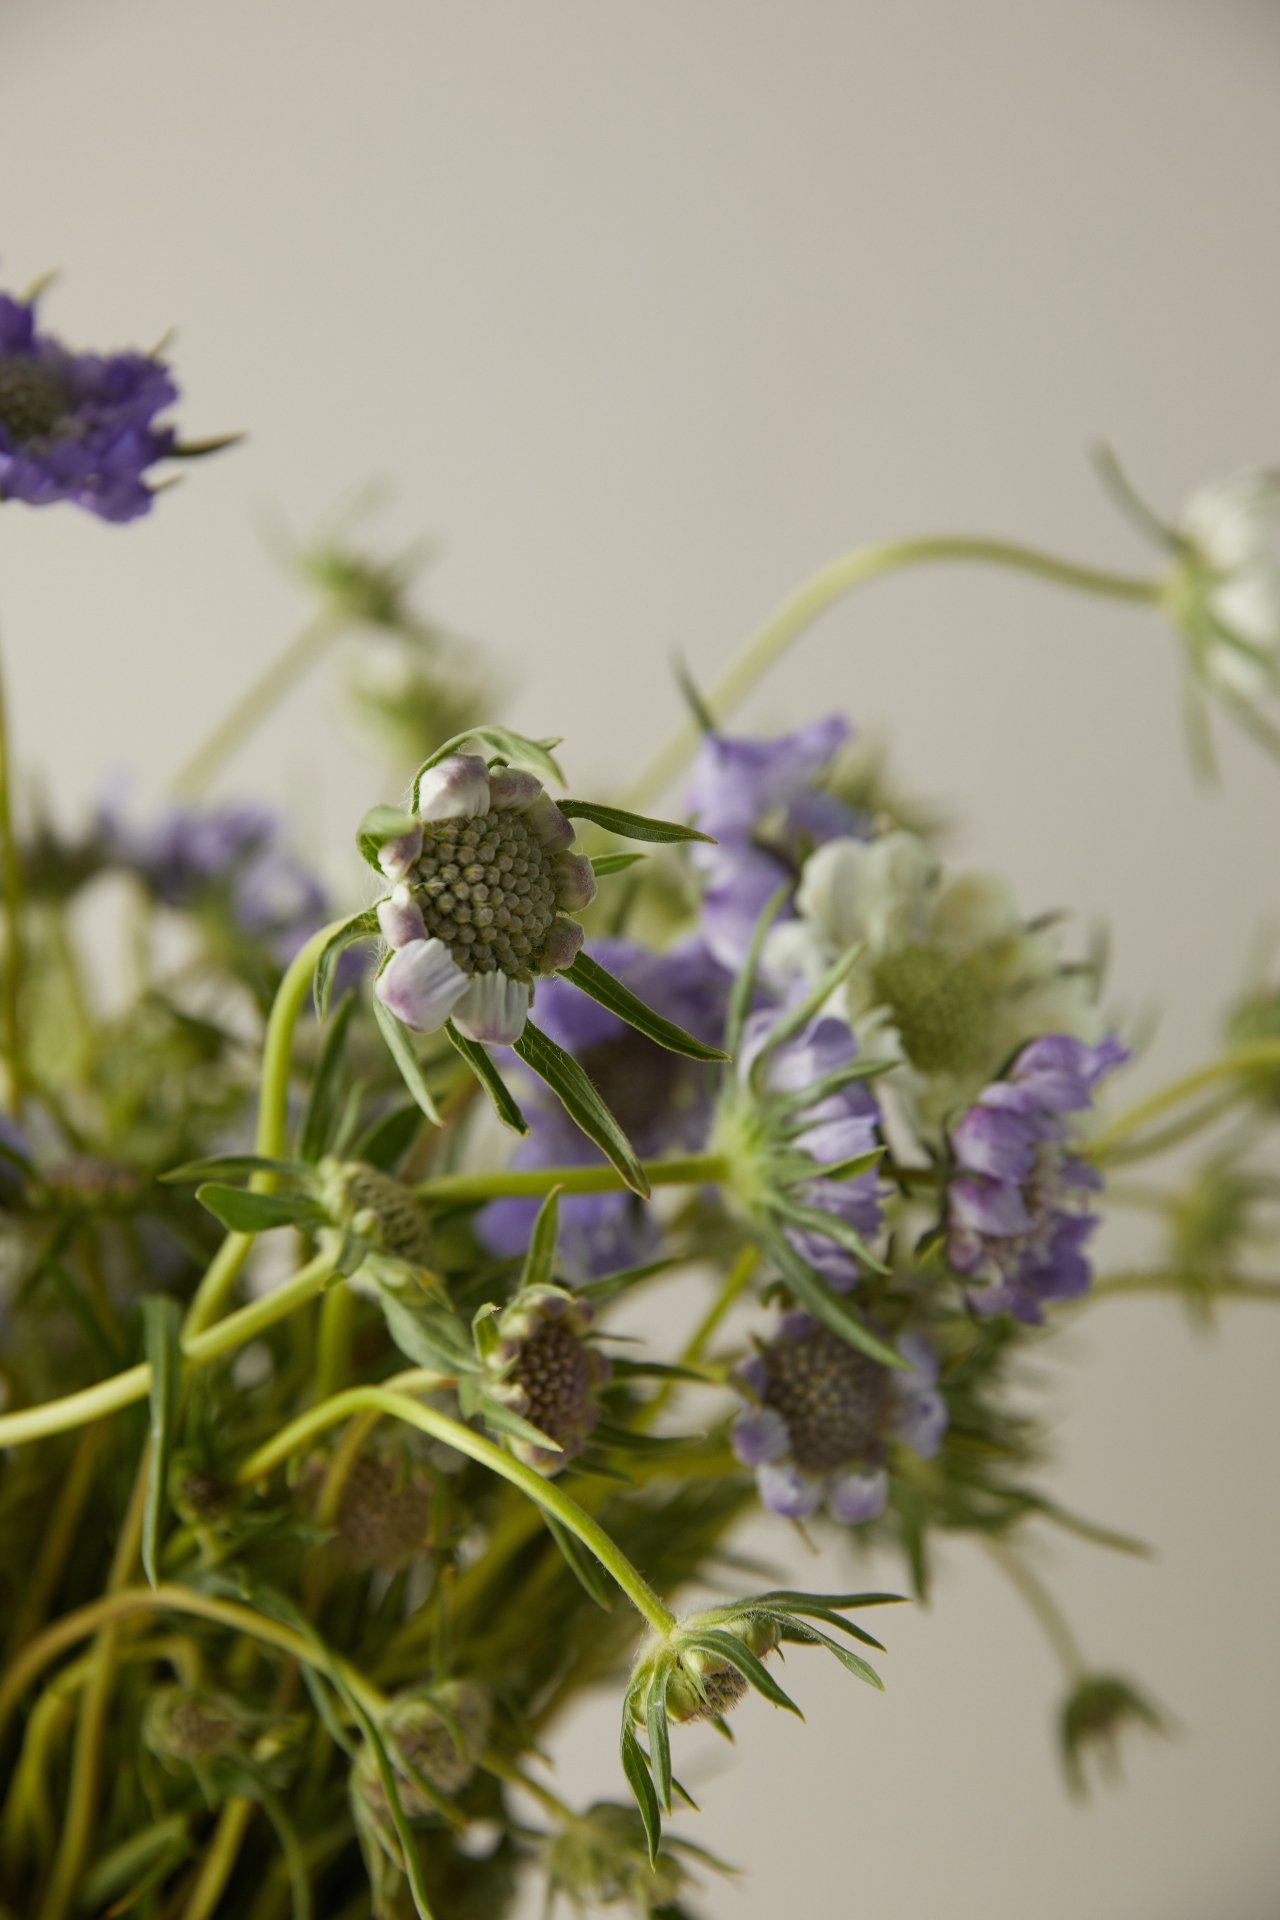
point(78, 426)
point(1017, 1212)
point(548, 1372)
point(484, 884)
point(822, 1416)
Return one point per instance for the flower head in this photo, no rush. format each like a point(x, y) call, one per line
point(1017, 1220)
point(547, 1372)
point(484, 884)
point(78, 426)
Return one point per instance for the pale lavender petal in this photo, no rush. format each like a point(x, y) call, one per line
point(754, 1373)
point(991, 1142)
point(988, 1207)
point(562, 945)
point(421, 984)
point(493, 1008)
point(920, 1418)
point(760, 1436)
point(457, 788)
point(786, 1491)
point(575, 881)
point(400, 918)
point(853, 1497)
point(512, 790)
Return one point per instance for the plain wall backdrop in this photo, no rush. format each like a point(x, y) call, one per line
point(646, 311)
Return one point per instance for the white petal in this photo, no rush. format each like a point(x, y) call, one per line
point(550, 825)
point(456, 789)
point(400, 918)
point(395, 857)
point(869, 890)
point(421, 984)
point(494, 1008)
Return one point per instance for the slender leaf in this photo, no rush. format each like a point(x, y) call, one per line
point(813, 1612)
point(799, 1098)
point(390, 1138)
point(611, 1284)
point(427, 1335)
point(638, 1779)
point(246, 1212)
point(584, 1566)
point(231, 1163)
point(358, 927)
point(501, 1098)
point(841, 1169)
point(797, 1017)
point(541, 1257)
point(626, 1440)
point(830, 1225)
point(161, 1336)
point(800, 1631)
point(318, 1122)
point(599, 985)
point(723, 1728)
point(663, 1370)
point(401, 1050)
point(606, 863)
point(569, 1082)
point(744, 985)
point(630, 826)
point(379, 825)
point(787, 1599)
point(814, 1294)
point(717, 1640)
point(504, 744)
point(503, 1420)
point(655, 1714)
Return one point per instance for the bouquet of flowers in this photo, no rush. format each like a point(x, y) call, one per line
point(329, 1478)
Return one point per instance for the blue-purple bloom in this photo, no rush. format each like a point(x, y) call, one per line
point(78, 426)
point(822, 1414)
point(661, 1099)
point(1017, 1213)
point(759, 802)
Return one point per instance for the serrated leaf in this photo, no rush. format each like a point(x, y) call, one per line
point(717, 1640)
point(603, 864)
point(379, 825)
point(505, 745)
point(641, 1785)
point(569, 1082)
point(401, 1051)
point(501, 1098)
point(744, 984)
point(359, 927)
point(584, 1566)
point(246, 1212)
point(161, 1344)
point(599, 985)
point(814, 1294)
point(227, 1163)
point(318, 1122)
point(655, 1715)
point(800, 1631)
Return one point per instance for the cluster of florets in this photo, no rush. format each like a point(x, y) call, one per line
point(433, 1741)
point(823, 1414)
point(548, 1372)
point(380, 1208)
point(77, 426)
point(1017, 1214)
point(484, 882)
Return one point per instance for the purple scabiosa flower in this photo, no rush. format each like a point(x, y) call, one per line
point(759, 801)
point(662, 1100)
point(78, 426)
point(1017, 1217)
point(484, 885)
point(823, 1414)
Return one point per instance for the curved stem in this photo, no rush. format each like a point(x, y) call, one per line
point(1262, 1053)
point(220, 1858)
point(822, 589)
point(273, 1109)
point(503, 1769)
point(416, 1380)
point(253, 706)
point(462, 1189)
point(1048, 1614)
point(1199, 1294)
point(464, 1440)
point(123, 1389)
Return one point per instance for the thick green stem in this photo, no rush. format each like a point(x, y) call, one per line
point(273, 1109)
point(11, 881)
point(455, 1434)
point(252, 708)
point(123, 1389)
point(1240, 1061)
point(840, 577)
point(464, 1189)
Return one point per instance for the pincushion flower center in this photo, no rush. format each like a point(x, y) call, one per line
point(833, 1398)
point(487, 892)
point(554, 1368)
point(32, 397)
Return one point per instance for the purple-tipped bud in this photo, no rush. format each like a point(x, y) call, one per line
point(550, 825)
point(421, 984)
point(511, 789)
point(854, 1497)
point(395, 857)
point(562, 946)
point(456, 789)
point(575, 881)
point(400, 918)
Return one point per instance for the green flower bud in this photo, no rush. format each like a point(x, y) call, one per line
point(547, 1372)
point(1093, 1718)
point(378, 1207)
point(439, 1735)
point(193, 1728)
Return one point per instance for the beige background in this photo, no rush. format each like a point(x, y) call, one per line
point(647, 310)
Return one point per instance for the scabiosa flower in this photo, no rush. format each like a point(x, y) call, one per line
point(759, 801)
point(1017, 1219)
point(78, 426)
point(547, 1372)
point(484, 882)
point(823, 1414)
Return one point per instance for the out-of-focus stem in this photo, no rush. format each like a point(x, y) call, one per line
point(1042, 1604)
point(59, 1536)
point(220, 1858)
point(252, 708)
point(822, 589)
point(1241, 1060)
point(11, 882)
point(460, 1189)
point(1156, 1281)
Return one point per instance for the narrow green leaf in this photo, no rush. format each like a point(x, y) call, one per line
point(503, 1420)
point(246, 1212)
point(358, 927)
point(738, 1654)
point(841, 1169)
point(540, 1260)
point(630, 826)
point(318, 1122)
point(813, 1612)
point(655, 1714)
point(231, 1163)
point(606, 863)
point(569, 1082)
point(787, 1599)
point(379, 825)
point(797, 1018)
point(390, 1138)
point(425, 1334)
point(625, 1440)
point(599, 985)
point(723, 1728)
point(501, 1098)
point(401, 1050)
point(663, 1370)
point(744, 985)
point(637, 1772)
point(584, 1566)
point(814, 1294)
point(484, 1329)
point(799, 1098)
point(611, 1284)
point(161, 1335)
point(800, 1631)
point(830, 1225)
point(503, 745)
point(595, 1461)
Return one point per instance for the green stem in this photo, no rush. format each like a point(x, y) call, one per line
point(822, 589)
point(1241, 1060)
point(464, 1189)
point(1157, 1281)
point(1048, 1614)
point(11, 881)
point(123, 1389)
point(252, 708)
point(220, 1858)
point(273, 1109)
point(455, 1434)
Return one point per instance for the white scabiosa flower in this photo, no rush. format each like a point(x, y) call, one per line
point(484, 882)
